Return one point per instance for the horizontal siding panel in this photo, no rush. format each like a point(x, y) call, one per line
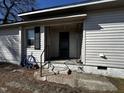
point(100, 20)
point(106, 43)
point(106, 40)
point(104, 51)
point(107, 25)
point(105, 34)
point(104, 46)
point(97, 27)
point(102, 37)
point(104, 31)
point(111, 28)
point(107, 56)
point(112, 44)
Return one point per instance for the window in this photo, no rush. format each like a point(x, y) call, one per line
point(37, 38)
point(33, 38)
point(30, 38)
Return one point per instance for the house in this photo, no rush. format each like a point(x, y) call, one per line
point(91, 33)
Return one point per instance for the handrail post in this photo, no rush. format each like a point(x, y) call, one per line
point(41, 67)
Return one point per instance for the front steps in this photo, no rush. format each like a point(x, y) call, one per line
point(82, 80)
point(78, 78)
point(62, 66)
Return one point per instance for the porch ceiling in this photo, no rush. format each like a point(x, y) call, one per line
point(50, 21)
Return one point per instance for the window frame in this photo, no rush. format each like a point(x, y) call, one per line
point(27, 38)
point(36, 37)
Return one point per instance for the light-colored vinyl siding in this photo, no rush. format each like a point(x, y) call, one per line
point(105, 34)
point(9, 45)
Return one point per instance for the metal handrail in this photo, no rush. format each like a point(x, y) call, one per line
point(41, 56)
point(41, 68)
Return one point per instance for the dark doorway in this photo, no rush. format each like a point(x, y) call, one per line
point(64, 44)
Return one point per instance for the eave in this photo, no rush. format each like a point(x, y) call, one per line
point(66, 7)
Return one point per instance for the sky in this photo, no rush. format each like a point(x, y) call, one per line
point(52, 3)
point(41, 4)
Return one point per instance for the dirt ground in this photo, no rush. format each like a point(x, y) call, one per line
point(15, 79)
point(119, 83)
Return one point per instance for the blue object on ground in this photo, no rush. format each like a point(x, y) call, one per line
point(29, 62)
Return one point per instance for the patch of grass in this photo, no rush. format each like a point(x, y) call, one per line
point(119, 83)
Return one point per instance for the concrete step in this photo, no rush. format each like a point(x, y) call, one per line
point(67, 61)
point(62, 66)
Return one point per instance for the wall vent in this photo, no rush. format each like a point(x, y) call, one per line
point(102, 68)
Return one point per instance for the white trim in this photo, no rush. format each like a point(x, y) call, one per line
point(42, 41)
point(43, 20)
point(84, 44)
point(20, 43)
point(65, 7)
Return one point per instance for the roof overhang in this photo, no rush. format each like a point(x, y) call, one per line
point(48, 21)
point(66, 7)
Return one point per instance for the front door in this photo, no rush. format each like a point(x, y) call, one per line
point(64, 44)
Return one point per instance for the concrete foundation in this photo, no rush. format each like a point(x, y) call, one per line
point(112, 72)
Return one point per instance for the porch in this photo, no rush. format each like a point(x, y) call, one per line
point(63, 42)
point(56, 40)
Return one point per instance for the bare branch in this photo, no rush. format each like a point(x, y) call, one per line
point(10, 8)
point(4, 2)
